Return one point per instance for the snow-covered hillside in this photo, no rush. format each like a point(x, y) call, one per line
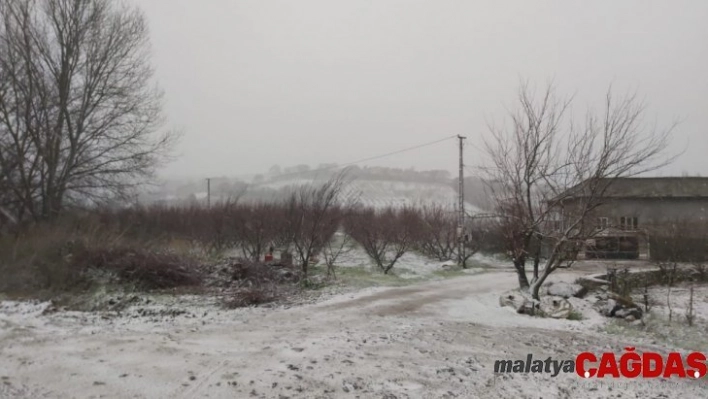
point(373, 187)
point(389, 193)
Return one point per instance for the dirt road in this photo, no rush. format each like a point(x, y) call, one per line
point(432, 340)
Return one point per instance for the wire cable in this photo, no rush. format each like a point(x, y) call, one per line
point(362, 160)
point(398, 152)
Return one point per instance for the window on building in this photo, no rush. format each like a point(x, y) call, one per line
point(603, 222)
point(555, 221)
point(629, 223)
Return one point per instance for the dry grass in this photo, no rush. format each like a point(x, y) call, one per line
point(42, 260)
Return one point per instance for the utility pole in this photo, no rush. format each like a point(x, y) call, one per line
point(461, 207)
point(208, 192)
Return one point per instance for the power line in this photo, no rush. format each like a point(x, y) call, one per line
point(478, 148)
point(364, 159)
point(399, 151)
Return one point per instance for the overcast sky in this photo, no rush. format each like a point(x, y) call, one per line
point(257, 83)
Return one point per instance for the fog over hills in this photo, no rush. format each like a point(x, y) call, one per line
point(375, 187)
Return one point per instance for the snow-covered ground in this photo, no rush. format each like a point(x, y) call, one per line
point(410, 265)
point(679, 300)
point(413, 264)
point(675, 330)
point(432, 340)
point(438, 339)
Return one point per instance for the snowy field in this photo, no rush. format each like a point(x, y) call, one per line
point(380, 194)
point(415, 265)
point(436, 339)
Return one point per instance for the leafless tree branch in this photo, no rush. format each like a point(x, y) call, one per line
point(548, 175)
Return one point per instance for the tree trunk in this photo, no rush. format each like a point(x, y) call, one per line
point(536, 285)
point(52, 204)
point(520, 267)
point(305, 265)
point(536, 261)
point(535, 288)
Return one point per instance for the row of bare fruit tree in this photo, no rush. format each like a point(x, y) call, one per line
point(305, 224)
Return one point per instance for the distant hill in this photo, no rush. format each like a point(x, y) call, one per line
point(382, 193)
point(376, 187)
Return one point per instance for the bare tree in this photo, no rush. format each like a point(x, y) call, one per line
point(480, 235)
point(258, 225)
point(549, 176)
point(668, 304)
point(437, 237)
point(385, 236)
point(78, 110)
point(339, 245)
point(690, 312)
point(313, 216)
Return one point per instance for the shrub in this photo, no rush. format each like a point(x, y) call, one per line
point(259, 283)
point(250, 273)
point(37, 258)
point(50, 258)
point(251, 296)
point(148, 270)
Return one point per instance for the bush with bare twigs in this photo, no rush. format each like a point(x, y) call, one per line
point(252, 296)
point(260, 283)
point(149, 270)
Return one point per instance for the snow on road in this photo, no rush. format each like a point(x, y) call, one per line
point(432, 340)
